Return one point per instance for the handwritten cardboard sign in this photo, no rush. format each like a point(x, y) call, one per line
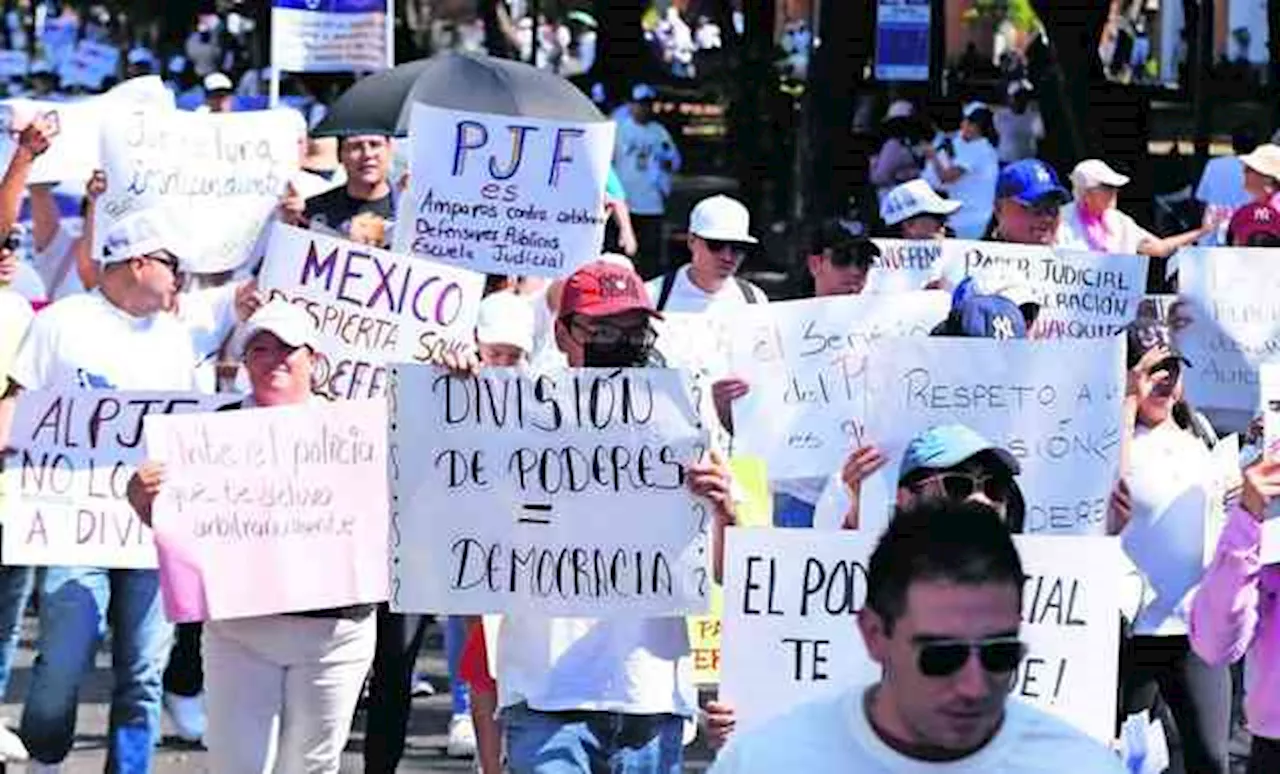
point(89, 64)
point(1062, 424)
point(806, 364)
point(790, 626)
point(904, 265)
point(219, 177)
point(370, 306)
point(561, 494)
point(505, 194)
point(64, 486)
point(1229, 323)
point(297, 493)
point(340, 36)
point(699, 345)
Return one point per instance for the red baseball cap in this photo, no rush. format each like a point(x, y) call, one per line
point(1260, 222)
point(602, 288)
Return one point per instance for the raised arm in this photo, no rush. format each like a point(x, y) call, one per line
point(33, 140)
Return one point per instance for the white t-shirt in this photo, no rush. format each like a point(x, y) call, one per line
point(626, 665)
point(15, 316)
point(210, 315)
point(1170, 482)
point(638, 153)
point(832, 735)
point(1125, 233)
point(86, 341)
point(976, 188)
point(56, 259)
point(688, 297)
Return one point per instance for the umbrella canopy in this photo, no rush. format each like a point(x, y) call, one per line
point(383, 103)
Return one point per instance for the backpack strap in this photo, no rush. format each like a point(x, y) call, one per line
point(748, 291)
point(668, 282)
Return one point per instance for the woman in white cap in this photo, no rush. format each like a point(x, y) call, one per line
point(898, 159)
point(282, 688)
point(1093, 222)
point(504, 329)
point(966, 167)
point(913, 210)
point(1262, 174)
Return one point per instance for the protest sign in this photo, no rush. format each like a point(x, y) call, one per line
point(298, 493)
point(1081, 295)
point(1229, 323)
point(505, 194)
point(790, 626)
point(74, 152)
point(89, 64)
point(1225, 483)
point(699, 345)
point(369, 306)
point(806, 364)
point(560, 494)
point(14, 64)
point(64, 486)
point(903, 265)
point(218, 177)
point(331, 36)
point(1062, 423)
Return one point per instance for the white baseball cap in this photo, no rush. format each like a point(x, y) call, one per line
point(1265, 160)
point(912, 198)
point(505, 318)
point(217, 82)
point(974, 107)
point(137, 234)
point(899, 108)
point(289, 322)
point(1092, 173)
point(721, 219)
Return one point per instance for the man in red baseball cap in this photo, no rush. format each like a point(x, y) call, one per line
point(605, 315)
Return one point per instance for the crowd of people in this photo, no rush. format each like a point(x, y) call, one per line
point(944, 586)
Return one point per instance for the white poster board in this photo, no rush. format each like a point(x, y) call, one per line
point(903, 265)
point(219, 177)
point(505, 194)
point(1054, 405)
point(297, 493)
point(699, 345)
point(370, 306)
point(1229, 323)
point(806, 364)
point(790, 629)
point(331, 36)
point(74, 152)
point(64, 488)
point(560, 494)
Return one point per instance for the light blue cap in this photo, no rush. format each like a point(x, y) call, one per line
point(946, 446)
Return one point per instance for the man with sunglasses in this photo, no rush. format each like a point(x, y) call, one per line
point(719, 238)
point(942, 618)
point(1029, 200)
point(122, 335)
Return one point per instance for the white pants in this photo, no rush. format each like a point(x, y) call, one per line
point(280, 691)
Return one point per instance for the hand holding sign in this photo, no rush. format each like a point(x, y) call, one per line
point(1261, 487)
point(144, 487)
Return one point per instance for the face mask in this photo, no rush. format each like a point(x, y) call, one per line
point(621, 354)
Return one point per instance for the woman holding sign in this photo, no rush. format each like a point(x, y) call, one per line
point(282, 687)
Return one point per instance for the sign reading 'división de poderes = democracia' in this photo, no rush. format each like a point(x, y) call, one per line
point(560, 494)
point(64, 490)
point(790, 631)
point(505, 194)
point(369, 306)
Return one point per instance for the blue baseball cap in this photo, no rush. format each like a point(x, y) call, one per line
point(1029, 182)
point(946, 446)
point(978, 316)
point(643, 91)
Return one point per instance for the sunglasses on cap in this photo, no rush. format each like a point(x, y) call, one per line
point(943, 658)
point(961, 486)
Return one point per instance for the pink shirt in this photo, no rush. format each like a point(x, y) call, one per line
point(1237, 612)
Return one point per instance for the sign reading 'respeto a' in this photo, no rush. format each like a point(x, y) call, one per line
point(558, 494)
point(790, 632)
point(369, 306)
point(64, 489)
point(505, 194)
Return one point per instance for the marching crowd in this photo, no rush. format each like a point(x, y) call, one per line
point(944, 585)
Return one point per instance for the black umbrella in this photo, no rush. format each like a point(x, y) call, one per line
point(382, 103)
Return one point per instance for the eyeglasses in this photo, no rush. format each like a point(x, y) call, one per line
point(718, 245)
point(961, 486)
point(943, 658)
point(1042, 209)
point(167, 260)
point(607, 333)
point(12, 243)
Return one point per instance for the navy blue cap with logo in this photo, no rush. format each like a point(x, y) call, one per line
point(980, 316)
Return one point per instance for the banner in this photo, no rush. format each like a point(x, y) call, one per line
point(1229, 323)
point(64, 489)
point(806, 364)
point(331, 36)
point(370, 307)
point(559, 494)
point(218, 176)
point(505, 194)
point(902, 40)
point(297, 493)
point(790, 627)
point(903, 265)
point(74, 152)
point(1054, 405)
point(89, 65)
point(1081, 295)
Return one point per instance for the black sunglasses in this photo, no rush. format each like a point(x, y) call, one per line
point(13, 242)
point(167, 260)
point(961, 486)
point(998, 655)
point(716, 245)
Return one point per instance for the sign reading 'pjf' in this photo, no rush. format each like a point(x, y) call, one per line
point(513, 195)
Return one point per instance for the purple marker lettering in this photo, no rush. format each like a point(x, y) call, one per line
point(470, 135)
point(561, 155)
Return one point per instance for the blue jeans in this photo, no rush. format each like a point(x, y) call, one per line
point(791, 511)
point(76, 605)
point(455, 639)
point(588, 742)
point(15, 592)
